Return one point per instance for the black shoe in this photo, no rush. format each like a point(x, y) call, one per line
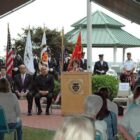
point(29, 114)
point(47, 113)
point(39, 112)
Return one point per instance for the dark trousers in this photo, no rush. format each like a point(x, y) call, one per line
point(37, 101)
point(18, 127)
point(29, 98)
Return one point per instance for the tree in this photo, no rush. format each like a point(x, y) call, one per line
point(53, 41)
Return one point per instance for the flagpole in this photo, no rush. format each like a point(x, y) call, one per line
point(89, 37)
point(62, 49)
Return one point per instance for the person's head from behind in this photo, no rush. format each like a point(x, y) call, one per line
point(93, 104)
point(3, 71)
point(104, 110)
point(76, 128)
point(137, 95)
point(22, 69)
point(4, 85)
point(44, 70)
point(104, 92)
point(129, 56)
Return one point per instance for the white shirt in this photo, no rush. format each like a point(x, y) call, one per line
point(129, 65)
point(131, 121)
point(102, 127)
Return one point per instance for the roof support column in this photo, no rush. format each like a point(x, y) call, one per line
point(123, 54)
point(114, 54)
point(89, 37)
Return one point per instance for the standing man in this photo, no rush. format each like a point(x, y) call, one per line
point(83, 62)
point(16, 63)
point(101, 66)
point(23, 87)
point(44, 86)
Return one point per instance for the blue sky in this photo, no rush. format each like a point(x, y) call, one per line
point(55, 15)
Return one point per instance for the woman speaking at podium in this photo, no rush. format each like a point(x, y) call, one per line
point(74, 66)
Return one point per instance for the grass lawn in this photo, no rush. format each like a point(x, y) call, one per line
point(34, 134)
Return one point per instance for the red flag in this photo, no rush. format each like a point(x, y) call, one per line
point(77, 52)
point(9, 55)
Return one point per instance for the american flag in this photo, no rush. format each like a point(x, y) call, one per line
point(9, 55)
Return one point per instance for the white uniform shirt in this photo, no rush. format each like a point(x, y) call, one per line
point(129, 65)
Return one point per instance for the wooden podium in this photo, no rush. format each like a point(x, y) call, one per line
point(75, 86)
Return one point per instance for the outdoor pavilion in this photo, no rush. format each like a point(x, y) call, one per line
point(106, 33)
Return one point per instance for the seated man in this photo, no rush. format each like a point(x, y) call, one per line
point(128, 69)
point(23, 86)
point(44, 86)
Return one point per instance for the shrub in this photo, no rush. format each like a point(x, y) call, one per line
point(111, 82)
point(56, 87)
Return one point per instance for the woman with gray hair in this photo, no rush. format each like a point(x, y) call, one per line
point(76, 128)
point(93, 104)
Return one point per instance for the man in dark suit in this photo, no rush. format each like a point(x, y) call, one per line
point(17, 61)
point(83, 62)
point(44, 86)
point(100, 67)
point(23, 86)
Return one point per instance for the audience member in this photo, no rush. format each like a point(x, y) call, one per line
point(136, 98)
point(44, 86)
point(93, 104)
point(76, 128)
point(23, 87)
point(110, 105)
point(109, 117)
point(11, 107)
point(130, 123)
point(101, 66)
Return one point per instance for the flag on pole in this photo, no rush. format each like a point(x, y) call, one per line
point(77, 52)
point(44, 39)
point(28, 55)
point(9, 55)
point(44, 53)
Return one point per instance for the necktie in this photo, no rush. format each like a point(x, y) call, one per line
point(22, 78)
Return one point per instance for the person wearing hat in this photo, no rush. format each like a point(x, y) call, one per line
point(92, 106)
point(101, 66)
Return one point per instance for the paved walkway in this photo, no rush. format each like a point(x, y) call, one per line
point(50, 122)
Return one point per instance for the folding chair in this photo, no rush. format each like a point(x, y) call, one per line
point(4, 128)
point(123, 93)
point(98, 135)
point(137, 137)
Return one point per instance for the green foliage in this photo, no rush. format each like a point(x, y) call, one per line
point(111, 82)
point(34, 134)
point(56, 87)
point(54, 40)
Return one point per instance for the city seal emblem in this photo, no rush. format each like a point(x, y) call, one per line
point(75, 86)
